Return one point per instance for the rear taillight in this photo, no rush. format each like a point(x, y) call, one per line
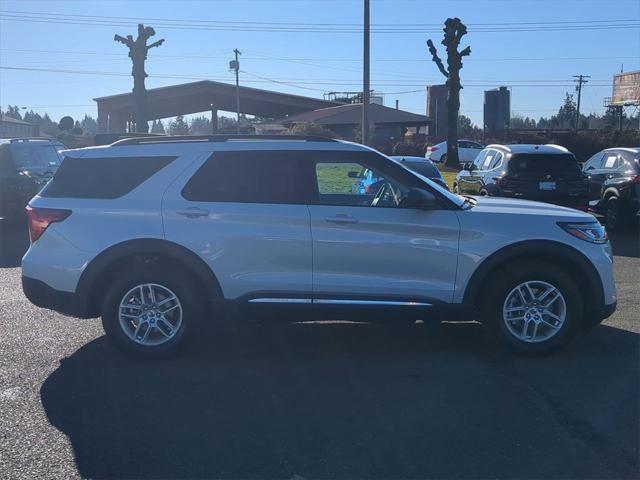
point(636, 179)
point(432, 149)
point(502, 181)
point(41, 218)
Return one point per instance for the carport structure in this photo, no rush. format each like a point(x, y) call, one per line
point(115, 111)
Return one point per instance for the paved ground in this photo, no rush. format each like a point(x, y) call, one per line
point(317, 400)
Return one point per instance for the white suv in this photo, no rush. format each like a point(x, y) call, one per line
point(158, 234)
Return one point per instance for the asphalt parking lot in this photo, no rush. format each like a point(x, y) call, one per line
point(317, 400)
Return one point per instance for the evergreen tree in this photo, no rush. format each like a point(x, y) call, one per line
point(179, 126)
point(200, 126)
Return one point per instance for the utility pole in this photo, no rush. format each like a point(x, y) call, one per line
point(579, 79)
point(365, 79)
point(235, 65)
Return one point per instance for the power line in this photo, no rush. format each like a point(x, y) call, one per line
point(64, 19)
point(316, 24)
point(261, 79)
point(262, 57)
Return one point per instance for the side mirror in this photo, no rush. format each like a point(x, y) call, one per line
point(354, 174)
point(419, 198)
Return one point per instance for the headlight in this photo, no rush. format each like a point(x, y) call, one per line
point(591, 232)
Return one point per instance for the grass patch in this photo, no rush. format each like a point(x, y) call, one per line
point(334, 177)
point(449, 175)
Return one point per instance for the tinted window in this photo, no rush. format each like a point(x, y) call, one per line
point(480, 158)
point(594, 162)
point(543, 163)
point(426, 169)
point(102, 177)
point(497, 161)
point(35, 157)
point(249, 177)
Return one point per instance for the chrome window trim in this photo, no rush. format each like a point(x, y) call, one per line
point(280, 300)
point(339, 301)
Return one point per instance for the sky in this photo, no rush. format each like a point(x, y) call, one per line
point(57, 55)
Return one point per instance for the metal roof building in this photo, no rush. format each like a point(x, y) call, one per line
point(115, 111)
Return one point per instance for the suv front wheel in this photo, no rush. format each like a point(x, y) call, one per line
point(533, 308)
point(149, 312)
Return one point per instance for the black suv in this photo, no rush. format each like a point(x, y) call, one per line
point(26, 165)
point(614, 182)
point(545, 173)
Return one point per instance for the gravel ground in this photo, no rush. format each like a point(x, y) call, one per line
point(317, 400)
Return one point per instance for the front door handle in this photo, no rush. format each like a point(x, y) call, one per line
point(341, 218)
point(193, 212)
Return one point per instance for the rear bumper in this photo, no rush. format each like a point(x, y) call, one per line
point(67, 303)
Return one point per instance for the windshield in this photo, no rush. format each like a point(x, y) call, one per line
point(35, 157)
point(455, 198)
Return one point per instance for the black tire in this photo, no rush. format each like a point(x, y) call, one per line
point(178, 282)
point(484, 192)
point(512, 275)
point(614, 215)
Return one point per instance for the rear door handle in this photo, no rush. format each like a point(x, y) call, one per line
point(341, 218)
point(193, 212)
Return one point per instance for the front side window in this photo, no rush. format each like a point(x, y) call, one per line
point(249, 177)
point(344, 183)
point(478, 161)
point(594, 162)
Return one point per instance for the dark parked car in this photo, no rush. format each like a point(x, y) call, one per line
point(545, 173)
point(424, 167)
point(614, 184)
point(26, 165)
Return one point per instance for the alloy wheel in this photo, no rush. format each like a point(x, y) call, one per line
point(150, 314)
point(534, 311)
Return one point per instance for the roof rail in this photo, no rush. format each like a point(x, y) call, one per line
point(217, 138)
point(564, 149)
point(30, 139)
point(498, 145)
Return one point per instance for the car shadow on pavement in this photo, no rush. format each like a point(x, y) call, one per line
point(14, 242)
point(625, 244)
point(348, 400)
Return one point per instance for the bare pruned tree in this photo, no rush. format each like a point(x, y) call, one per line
point(454, 30)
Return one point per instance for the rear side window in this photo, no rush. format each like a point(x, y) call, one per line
point(544, 163)
point(423, 168)
point(610, 161)
point(250, 177)
point(102, 177)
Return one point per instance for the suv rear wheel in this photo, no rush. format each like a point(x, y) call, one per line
point(150, 312)
point(533, 308)
point(614, 214)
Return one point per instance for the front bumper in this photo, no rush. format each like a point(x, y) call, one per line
point(67, 303)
